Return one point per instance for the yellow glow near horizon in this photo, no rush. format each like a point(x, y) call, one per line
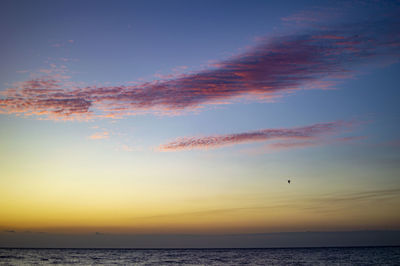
point(64, 205)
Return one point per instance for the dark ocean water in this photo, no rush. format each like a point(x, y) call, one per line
point(275, 256)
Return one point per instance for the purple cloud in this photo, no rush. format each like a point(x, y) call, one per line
point(290, 137)
point(314, 58)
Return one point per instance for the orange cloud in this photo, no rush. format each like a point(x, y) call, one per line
point(100, 135)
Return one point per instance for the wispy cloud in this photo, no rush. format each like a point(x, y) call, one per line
point(311, 58)
point(359, 196)
point(316, 141)
point(100, 135)
point(290, 137)
point(318, 204)
point(62, 43)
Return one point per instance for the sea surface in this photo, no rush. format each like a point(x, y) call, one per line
point(270, 256)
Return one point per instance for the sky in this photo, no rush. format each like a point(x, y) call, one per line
point(189, 118)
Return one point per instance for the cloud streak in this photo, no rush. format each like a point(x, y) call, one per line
point(314, 58)
point(290, 137)
point(310, 143)
point(319, 204)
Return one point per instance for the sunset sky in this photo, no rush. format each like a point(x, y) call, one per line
point(189, 117)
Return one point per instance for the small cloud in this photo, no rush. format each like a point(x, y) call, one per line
point(62, 43)
point(127, 148)
point(66, 59)
point(46, 71)
point(100, 135)
point(57, 45)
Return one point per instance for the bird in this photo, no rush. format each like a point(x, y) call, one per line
point(288, 181)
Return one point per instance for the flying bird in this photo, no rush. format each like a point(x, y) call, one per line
point(288, 181)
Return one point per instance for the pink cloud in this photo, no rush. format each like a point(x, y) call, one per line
point(311, 58)
point(292, 137)
point(100, 135)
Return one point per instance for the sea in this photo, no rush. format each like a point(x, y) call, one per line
point(267, 256)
